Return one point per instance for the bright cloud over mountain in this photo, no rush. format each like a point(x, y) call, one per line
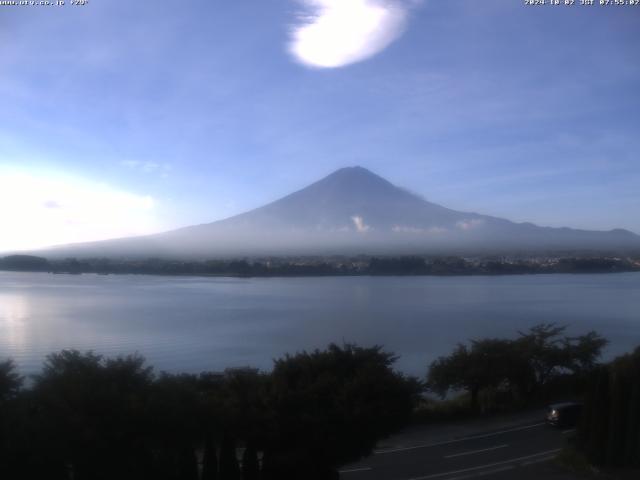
point(335, 33)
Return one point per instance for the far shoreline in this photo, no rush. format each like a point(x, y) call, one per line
point(329, 266)
point(498, 270)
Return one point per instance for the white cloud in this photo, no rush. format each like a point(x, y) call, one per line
point(358, 222)
point(38, 210)
point(334, 33)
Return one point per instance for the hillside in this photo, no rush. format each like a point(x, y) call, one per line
point(354, 211)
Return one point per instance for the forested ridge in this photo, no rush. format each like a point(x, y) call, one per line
point(326, 266)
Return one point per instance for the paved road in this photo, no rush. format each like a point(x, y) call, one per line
point(490, 455)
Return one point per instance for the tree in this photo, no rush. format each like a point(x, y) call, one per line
point(241, 401)
point(10, 381)
point(485, 364)
point(544, 351)
point(523, 366)
point(583, 352)
point(397, 266)
point(229, 468)
point(209, 461)
point(92, 412)
point(610, 428)
point(10, 385)
point(595, 421)
point(94, 418)
point(26, 263)
point(550, 355)
point(175, 429)
point(332, 406)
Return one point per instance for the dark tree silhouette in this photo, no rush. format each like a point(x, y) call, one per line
point(88, 417)
point(549, 355)
point(250, 466)
point(188, 464)
point(485, 364)
point(229, 467)
point(95, 411)
point(610, 426)
point(26, 263)
point(209, 461)
point(524, 365)
point(10, 381)
point(333, 406)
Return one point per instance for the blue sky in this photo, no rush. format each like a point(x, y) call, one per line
point(120, 117)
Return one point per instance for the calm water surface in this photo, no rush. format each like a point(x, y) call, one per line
point(194, 324)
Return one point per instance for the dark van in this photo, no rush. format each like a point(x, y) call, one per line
point(564, 414)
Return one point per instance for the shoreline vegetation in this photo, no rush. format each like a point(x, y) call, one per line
point(85, 416)
point(88, 417)
point(318, 266)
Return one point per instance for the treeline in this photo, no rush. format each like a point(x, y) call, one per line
point(542, 365)
point(89, 417)
point(85, 416)
point(330, 266)
point(610, 428)
point(539, 365)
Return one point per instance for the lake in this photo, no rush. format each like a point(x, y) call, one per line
point(193, 324)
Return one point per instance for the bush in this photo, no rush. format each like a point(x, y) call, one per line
point(610, 428)
point(90, 418)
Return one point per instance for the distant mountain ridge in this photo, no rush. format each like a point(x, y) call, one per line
point(354, 211)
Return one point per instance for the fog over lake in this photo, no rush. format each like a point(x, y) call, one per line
point(194, 324)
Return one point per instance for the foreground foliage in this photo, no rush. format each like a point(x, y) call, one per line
point(90, 417)
point(522, 368)
point(610, 429)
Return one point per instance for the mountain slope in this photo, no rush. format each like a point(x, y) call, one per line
point(354, 211)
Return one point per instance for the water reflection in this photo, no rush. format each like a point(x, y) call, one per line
point(195, 324)
point(14, 313)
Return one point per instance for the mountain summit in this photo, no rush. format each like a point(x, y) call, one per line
point(350, 198)
point(354, 211)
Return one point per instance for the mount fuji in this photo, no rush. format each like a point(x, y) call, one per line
point(353, 211)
